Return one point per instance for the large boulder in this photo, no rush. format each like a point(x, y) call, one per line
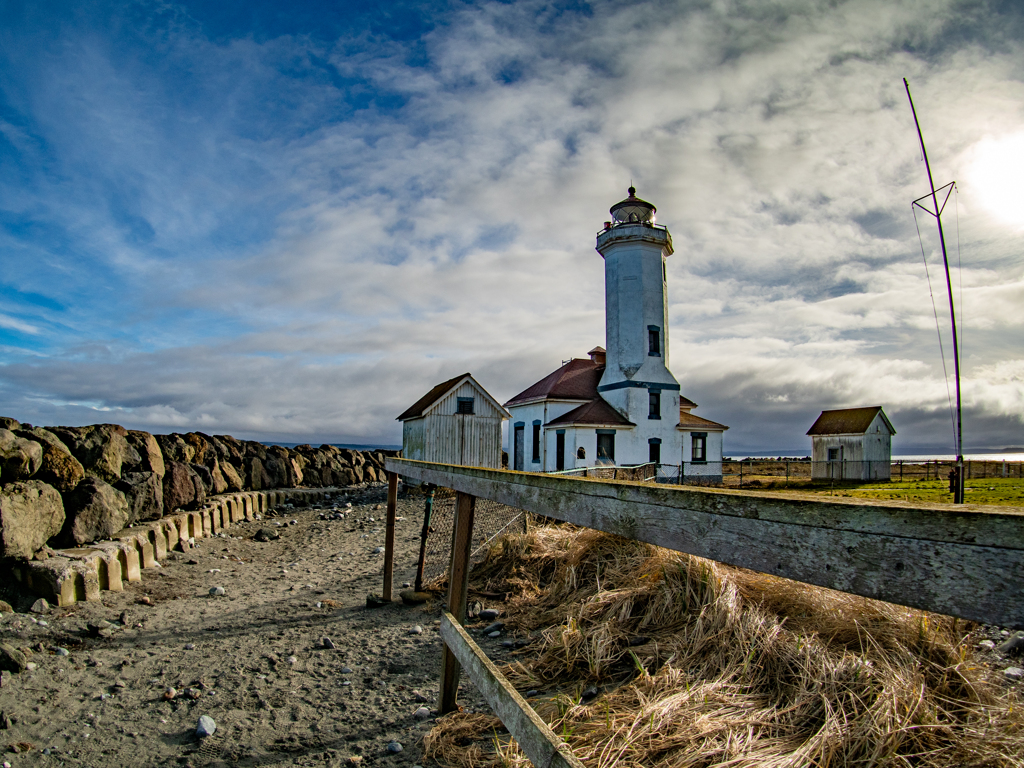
point(203, 450)
point(295, 476)
point(145, 494)
point(229, 449)
point(6, 422)
point(343, 476)
point(19, 458)
point(174, 448)
point(205, 475)
point(183, 488)
point(95, 510)
point(231, 476)
point(257, 477)
point(312, 477)
point(102, 448)
point(59, 468)
point(254, 449)
point(220, 485)
point(276, 472)
point(30, 514)
point(151, 458)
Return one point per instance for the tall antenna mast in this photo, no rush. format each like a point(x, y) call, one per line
point(936, 211)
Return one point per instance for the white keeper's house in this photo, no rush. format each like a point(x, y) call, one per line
point(622, 405)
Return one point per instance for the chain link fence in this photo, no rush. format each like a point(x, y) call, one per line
point(637, 473)
point(490, 520)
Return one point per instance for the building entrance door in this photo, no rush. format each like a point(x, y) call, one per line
point(518, 450)
point(560, 451)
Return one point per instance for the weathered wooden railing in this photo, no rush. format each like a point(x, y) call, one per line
point(952, 560)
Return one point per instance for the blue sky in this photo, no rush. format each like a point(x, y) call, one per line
point(286, 221)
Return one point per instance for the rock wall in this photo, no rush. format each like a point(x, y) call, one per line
point(68, 486)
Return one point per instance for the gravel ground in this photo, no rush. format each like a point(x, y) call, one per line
point(253, 659)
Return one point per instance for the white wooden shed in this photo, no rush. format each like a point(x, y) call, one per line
point(456, 422)
point(852, 444)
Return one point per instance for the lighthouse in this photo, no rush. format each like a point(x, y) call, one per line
point(620, 406)
point(637, 381)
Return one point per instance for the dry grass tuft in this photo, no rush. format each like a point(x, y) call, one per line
point(707, 665)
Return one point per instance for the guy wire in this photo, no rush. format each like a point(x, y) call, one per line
point(938, 328)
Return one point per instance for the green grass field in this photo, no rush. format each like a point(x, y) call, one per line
point(1005, 491)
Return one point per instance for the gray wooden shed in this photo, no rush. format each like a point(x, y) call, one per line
point(456, 422)
point(852, 444)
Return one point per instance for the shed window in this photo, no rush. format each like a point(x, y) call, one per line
point(653, 341)
point(465, 405)
point(833, 454)
point(654, 398)
point(536, 442)
point(699, 447)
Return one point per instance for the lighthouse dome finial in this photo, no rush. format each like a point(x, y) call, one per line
point(632, 210)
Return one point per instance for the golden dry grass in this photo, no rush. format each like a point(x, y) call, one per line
point(702, 664)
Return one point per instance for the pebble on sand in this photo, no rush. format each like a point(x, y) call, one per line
point(1014, 673)
point(40, 606)
point(327, 643)
point(417, 630)
point(217, 591)
point(421, 714)
point(394, 747)
point(206, 727)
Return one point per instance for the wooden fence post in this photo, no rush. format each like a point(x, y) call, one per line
point(458, 585)
point(389, 536)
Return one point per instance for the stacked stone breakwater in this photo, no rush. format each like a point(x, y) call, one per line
point(84, 509)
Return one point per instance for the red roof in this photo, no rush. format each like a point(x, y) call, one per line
point(576, 380)
point(685, 402)
point(689, 421)
point(597, 411)
point(848, 421)
point(435, 394)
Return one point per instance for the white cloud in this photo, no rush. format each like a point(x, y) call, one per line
point(310, 268)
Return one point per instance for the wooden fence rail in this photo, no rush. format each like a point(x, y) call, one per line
point(959, 561)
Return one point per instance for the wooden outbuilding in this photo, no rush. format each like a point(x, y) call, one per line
point(456, 422)
point(852, 444)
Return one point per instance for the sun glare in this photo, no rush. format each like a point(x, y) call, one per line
point(996, 178)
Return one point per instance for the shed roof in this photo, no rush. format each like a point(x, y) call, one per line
point(596, 412)
point(576, 380)
point(848, 421)
point(422, 405)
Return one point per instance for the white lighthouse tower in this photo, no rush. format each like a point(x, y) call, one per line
point(637, 381)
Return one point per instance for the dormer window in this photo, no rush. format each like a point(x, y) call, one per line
point(465, 405)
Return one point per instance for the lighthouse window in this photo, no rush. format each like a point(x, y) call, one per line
point(654, 446)
point(654, 398)
point(653, 341)
point(606, 445)
point(699, 447)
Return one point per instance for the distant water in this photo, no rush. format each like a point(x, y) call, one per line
point(967, 457)
point(916, 458)
point(351, 446)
